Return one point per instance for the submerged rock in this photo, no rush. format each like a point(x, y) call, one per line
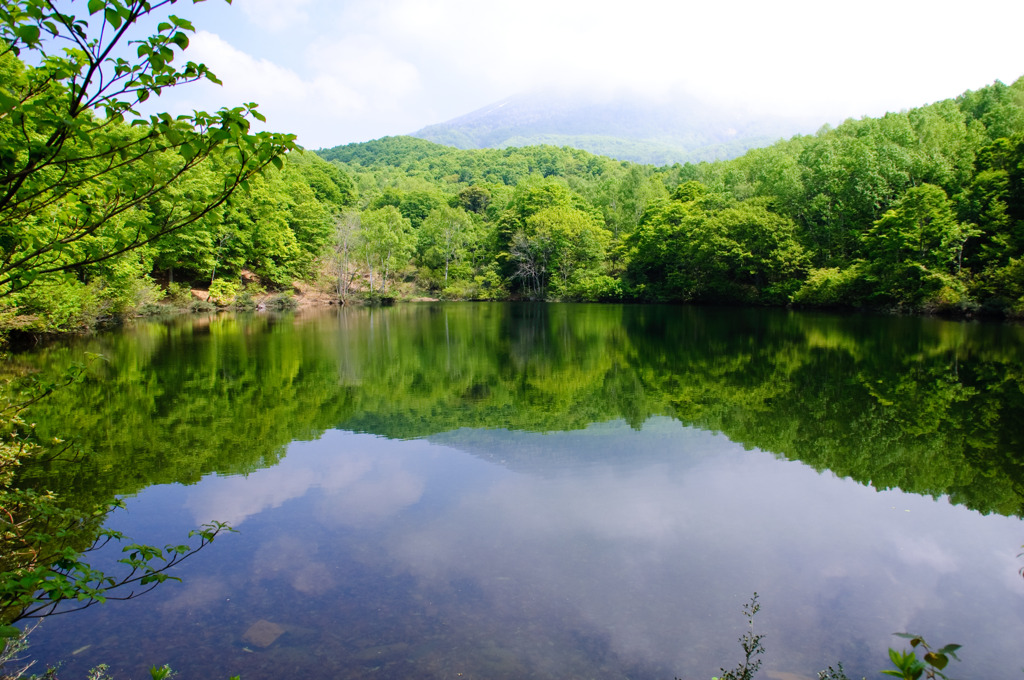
point(263, 633)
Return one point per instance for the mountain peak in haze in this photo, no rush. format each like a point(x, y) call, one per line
point(632, 127)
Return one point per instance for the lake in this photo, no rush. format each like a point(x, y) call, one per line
point(549, 491)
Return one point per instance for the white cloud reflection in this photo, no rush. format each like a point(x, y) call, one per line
point(654, 558)
point(361, 485)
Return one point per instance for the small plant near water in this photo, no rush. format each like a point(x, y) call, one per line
point(837, 673)
point(909, 667)
point(160, 673)
point(906, 663)
point(751, 644)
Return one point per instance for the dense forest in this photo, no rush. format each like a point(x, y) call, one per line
point(919, 211)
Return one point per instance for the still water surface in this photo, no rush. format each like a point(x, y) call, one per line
point(510, 491)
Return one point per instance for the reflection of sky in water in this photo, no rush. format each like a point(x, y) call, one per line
point(604, 553)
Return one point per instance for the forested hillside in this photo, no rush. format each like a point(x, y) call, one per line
point(921, 210)
point(918, 211)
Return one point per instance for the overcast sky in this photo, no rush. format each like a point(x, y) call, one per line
point(340, 71)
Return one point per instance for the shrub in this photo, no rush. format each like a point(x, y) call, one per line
point(282, 302)
point(245, 301)
point(178, 294)
point(834, 287)
point(223, 292)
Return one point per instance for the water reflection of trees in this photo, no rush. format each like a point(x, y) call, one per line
point(929, 406)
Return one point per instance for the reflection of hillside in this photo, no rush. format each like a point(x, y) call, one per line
point(929, 406)
point(608, 445)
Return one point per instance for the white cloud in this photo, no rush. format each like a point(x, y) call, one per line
point(234, 499)
point(356, 88)
point(276, 15)
point(243, 73)
point(335, 73)
point(363, 64)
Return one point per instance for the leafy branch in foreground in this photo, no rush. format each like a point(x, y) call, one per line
point(80, 169)
point(909, 667)
point(63, 582)
point(44, 540)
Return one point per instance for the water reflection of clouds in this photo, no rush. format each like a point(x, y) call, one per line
point(296, 560)
point(197, 593)
point(660, 558)
point(360, 483)
point(656, 558)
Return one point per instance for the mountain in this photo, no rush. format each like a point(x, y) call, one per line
point(659, 131)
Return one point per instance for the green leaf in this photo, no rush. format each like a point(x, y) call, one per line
point(6, 101)
point(95, 6)
point(28, 33)
point(940, 661)
point(9, 632)
point(112, 17)
point(160, 673)
point(183, 24)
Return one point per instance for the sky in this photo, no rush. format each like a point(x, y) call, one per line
point(341, 71)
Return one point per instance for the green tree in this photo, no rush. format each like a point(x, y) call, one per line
point(77, 180)
point(443, 238)
point(329, 183)
point(341, 262)
point(526, 258)
point(386, 243)
point(916, 247)
point(413, 205)
point(475, 199)
point(569, 246)
point(629, 200)
point(753, 247)
point(921, 229)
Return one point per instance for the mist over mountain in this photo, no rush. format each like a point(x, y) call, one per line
point(644, 129)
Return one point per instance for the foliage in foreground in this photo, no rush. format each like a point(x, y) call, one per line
point(88, 186)
point(751, 644)
point(44, 539)
point(931, 665)
point(99, 202)
point(905, 663)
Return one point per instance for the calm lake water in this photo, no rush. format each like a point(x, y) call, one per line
point(527, 491)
